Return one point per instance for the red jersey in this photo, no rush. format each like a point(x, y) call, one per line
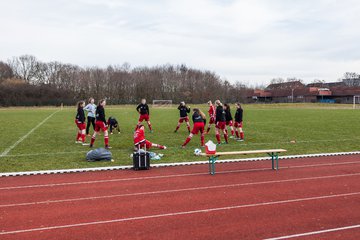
point(139, 136)
point(211, 111)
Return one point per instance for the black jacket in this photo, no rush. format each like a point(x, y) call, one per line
point(80, 116)
point(228, 115)
point(143, 109)
point(220, 114)
point(100, 114)
point(184, 110)
point(239, 115)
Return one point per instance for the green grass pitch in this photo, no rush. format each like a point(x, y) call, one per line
point(315, 128)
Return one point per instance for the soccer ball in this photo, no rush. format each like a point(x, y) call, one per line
point(197, 152)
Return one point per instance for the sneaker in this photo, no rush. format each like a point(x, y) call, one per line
point(231, 136)
point(240, 140)
point(90, 146)
point(78, 141)
point(108, 147)
point(111, 133)
point(164, 147)
point(85, 144)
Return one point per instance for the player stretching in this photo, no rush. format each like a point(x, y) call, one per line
point(199, 119)
point(239, 122)
point(100, 124)
point(140, 141)
point(212, 116)
point(229, 119)
point(220, 122)
point(184, 110)
point(143, 110)
point(80, 123)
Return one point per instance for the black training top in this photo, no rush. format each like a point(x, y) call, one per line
point(239, 115)
point(197, 118)
point(220, 114)
point(112, 121)
point(143, 109)
point(228, 115)
point(100, 114)
point(80, 116)
point(184, 110)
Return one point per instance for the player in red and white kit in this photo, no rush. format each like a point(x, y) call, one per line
point(220, 122)
point(140, 140)
point(80, 123)
point(199, 120)
point(101, 124)
point(239, 123)
point(144, 111)
point(229, 119)
point(184, 110)
point(212, 116)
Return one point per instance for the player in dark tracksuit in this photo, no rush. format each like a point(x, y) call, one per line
point(101, 124)
point(144, 111)
point(239, 122)
point(184, 110)
point(80, 123)
point(113, 124)
point(199, 120)
point(220, 122)
point(229, 119)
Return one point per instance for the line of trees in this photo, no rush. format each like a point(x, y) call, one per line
point(26, 81)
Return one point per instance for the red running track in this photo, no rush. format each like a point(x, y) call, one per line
point(314, 198)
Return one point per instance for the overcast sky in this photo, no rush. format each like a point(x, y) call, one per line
point(251, 41)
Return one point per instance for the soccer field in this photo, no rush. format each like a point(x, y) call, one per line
point(43, 138)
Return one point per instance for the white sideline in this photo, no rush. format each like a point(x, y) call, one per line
point(4, 153)
point(169, 176)
point(315, 232)
point(178, 190)
point(208, 210)
point(75, 170)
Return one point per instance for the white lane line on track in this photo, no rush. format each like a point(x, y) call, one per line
point(208, 210)
point(179, 190)
point(315, 232)
point(170, 176)
point(6, 151)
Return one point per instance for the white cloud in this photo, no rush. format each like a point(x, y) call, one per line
point(250, 41)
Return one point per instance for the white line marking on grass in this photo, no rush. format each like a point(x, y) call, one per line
point(4, 153)
point(179, 190)
point(169, 176)
point(315, 232)
point(208, 210)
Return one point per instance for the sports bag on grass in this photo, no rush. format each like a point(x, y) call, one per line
point(99, 154)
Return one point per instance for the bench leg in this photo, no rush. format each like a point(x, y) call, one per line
point(212, 160)
point(274, 157)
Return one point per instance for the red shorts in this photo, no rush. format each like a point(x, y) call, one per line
point(182, 119)
point(100, 125)
point(146, 143)
point(212, 120)
point(81, 126)
point(198, 126)
point(238, 124)
point(229, 123)
point(221, 125)
point(143, 117)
